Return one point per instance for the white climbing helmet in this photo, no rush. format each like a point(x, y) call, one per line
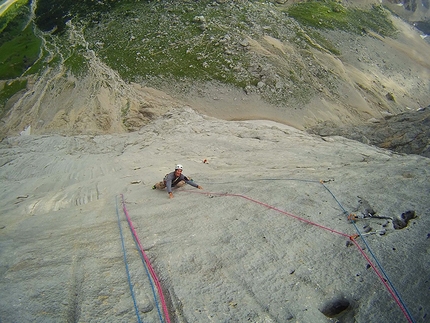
point(179, 166)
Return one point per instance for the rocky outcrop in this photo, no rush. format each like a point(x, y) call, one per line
point(416, 12)
point(408, 132)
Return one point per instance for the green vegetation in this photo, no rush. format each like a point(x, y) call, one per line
point(76, 63)
point(7, 18)
point(19, 54)
point(332, 15)
point(177, 41)
point(171, 39)
point(200, 40)
point(8, 91)
point(323, 42)
point(52, 15)
point(19, 47)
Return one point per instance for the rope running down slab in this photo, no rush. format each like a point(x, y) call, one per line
point(389, 286)
point(147, 262)
point(139, 320)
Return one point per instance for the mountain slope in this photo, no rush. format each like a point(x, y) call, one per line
point(234, 60)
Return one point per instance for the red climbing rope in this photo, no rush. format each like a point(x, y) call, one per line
point(148, 263)
point(350, 237)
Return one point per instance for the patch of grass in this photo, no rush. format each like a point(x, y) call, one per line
point(332, 15)
point(39, 65)
point(323, 42)
point(19, 47)
point(314, 39)
point(11, 17)
point(185, 42)
point(52, 15)
point(76, 63)
point(176, 41)
point(8, 91)
point(19, 54)
point(167, 39)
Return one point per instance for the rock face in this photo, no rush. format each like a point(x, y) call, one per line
point(408, 132)
point(412, 10)
point(247, 248)
point(416, 12)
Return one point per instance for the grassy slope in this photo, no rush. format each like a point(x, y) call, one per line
point(168, 40)
point(19, 47)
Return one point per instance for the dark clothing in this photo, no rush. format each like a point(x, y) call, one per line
point(171, 181)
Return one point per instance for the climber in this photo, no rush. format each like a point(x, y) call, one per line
point(175, 179)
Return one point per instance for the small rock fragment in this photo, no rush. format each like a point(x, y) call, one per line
point(367, 229)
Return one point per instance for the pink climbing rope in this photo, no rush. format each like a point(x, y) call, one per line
point(148, 263)
point(381, 278)
point(273, 208)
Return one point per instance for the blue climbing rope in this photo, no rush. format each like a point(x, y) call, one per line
point(149, 278)
point(126, 265)
point(410, 318)
point(373, 256)
point(267, 179)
